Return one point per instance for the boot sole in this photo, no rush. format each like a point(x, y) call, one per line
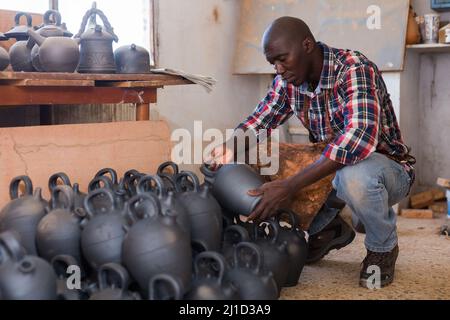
point(335, 244)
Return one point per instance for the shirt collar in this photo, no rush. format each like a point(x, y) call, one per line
point(327, 78)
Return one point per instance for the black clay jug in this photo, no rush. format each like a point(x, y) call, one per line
point(23, 213)
point(155, 243)
point(165, 287)
point(297, 247)
point(170, 205)
point(209, 279)
point(204, 212)
point(249, 276)
point(230, 184)
point(59, 232)
point(276, 258)
point(103, 231)
point(24, 277)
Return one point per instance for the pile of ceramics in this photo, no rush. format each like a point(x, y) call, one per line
point(50, 47)
point(157, 237)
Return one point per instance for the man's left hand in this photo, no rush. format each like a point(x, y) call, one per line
point(275, 195)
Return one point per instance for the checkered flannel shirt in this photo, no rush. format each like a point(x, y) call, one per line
point(352, 95)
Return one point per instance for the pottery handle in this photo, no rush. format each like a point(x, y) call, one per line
point(235, 234)
point(147, 180)
point(11, 246)
point(249, 249)
point(95, 183)
point(291, 216)
point(53, 180)
point(55, 15)
point(187, 174)
point(111, 172)
point(91, 210)
point(147, 198)
point(61, 263)
point(109, 272)
point(171, 164)
point(27, 15)
point(213, 257)
point(158, 281)
point(210, 175)
point(68, 197)
point(14, 186)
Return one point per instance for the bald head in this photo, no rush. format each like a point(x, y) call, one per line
point(288, 29)
point(291, 48)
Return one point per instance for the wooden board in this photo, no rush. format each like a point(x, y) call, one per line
point(12, 96)
point(80, 151)
point(338, 23)
point(155, 80)
point(417, 213)
point(422, 200)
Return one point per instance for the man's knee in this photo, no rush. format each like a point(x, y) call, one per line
point(356, 183)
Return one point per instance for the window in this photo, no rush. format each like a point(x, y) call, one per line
point(35, 6)
point(130, 19)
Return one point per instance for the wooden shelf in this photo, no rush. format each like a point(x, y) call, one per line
point(429, 48)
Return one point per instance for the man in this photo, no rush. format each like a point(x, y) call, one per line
point(341, 97)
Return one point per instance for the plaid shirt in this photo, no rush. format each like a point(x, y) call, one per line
point(351, 109)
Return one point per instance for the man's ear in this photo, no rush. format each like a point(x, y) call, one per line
point(308, 45)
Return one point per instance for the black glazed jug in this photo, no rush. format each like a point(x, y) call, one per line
point(24, 277)
point(276, 258)
point(23, 213)
point(209, 279)
point(155, 243)
point(230, 184)
point(165, 287)
point(297, 247)
point(204, 212)
point(249, 276)
point(170, 205)
point(59, 232)
point(103, 230)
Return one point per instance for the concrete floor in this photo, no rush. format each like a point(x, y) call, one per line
point(422, 269)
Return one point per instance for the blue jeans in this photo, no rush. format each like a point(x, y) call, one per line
point(370, 189)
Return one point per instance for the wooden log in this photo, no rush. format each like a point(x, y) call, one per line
point(422, 200)
point(417, 213)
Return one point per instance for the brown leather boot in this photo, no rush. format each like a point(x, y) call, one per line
point(385, 261)
point(336, 235)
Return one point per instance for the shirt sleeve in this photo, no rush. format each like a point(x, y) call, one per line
point(361, 117)
point(272, 111)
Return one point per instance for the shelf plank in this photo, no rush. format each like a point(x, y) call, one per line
point(47, 83)
point(429, 48)
point(14, 95)
point(157, 80)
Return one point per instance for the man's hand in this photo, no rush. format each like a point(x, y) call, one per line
point(275, 195)
point(219, 156)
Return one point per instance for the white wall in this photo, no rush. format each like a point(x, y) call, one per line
point(427, 103)
point(198, 36)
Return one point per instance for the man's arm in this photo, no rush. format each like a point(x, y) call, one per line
point(282, 191)
point(362, 121)
point(271, 112)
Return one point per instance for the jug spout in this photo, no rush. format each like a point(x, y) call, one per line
point(36, 37)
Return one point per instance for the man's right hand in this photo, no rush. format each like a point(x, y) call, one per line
point(219, 156)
